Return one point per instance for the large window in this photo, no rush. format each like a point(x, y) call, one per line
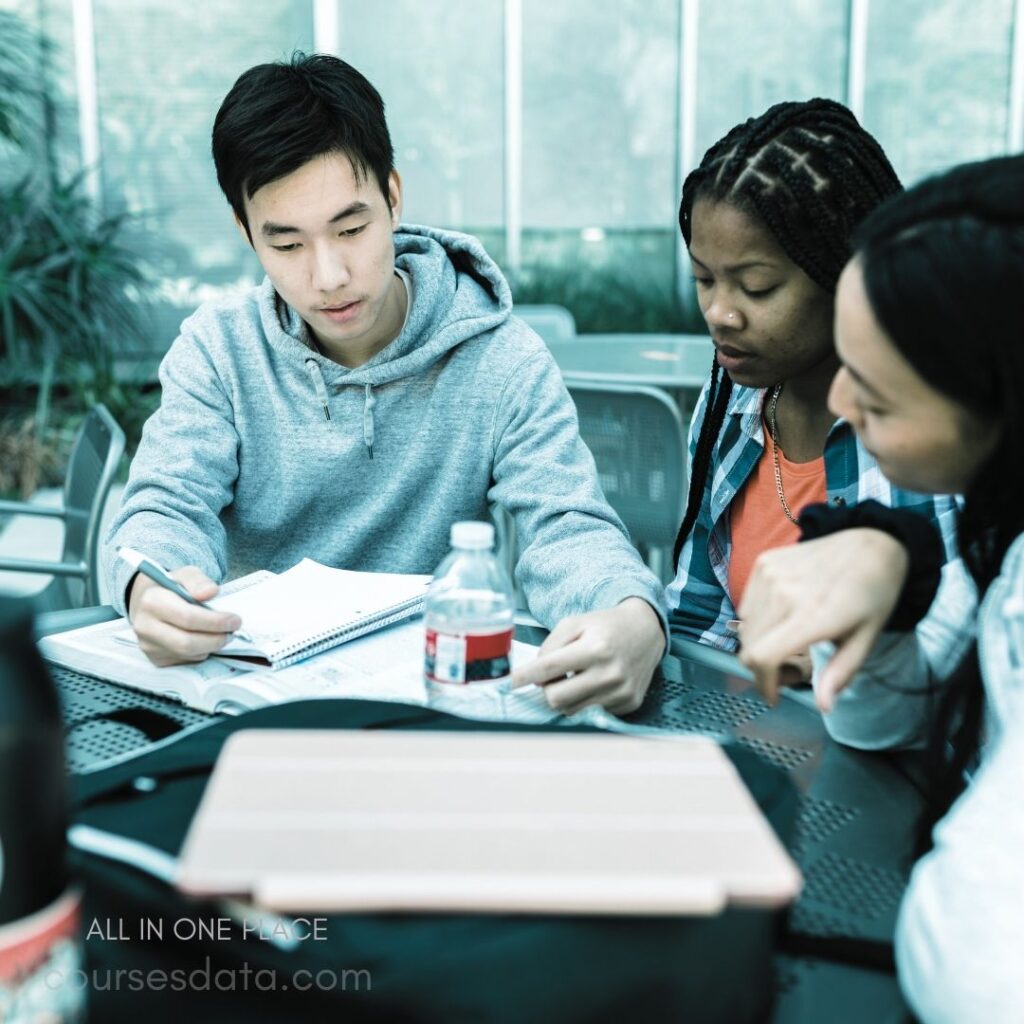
point(439, 67)
point(938, 80)
point(753, 54)
point(162, 68)
point(600, 125)
point(558, 132)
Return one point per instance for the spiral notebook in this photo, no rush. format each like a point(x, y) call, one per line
point(312, 607)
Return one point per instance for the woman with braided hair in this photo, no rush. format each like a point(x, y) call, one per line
point(930, 334)
point(767, 218)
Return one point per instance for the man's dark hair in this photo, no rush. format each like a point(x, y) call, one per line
point(810, 173)
point(277, 117)
point(943, 268)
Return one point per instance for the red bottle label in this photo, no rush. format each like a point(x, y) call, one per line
point(40, 965)
point(462, 658)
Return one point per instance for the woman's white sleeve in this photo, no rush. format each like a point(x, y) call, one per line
point(960, 934)
point(890, 701)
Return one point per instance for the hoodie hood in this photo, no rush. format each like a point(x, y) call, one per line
point(457, 292)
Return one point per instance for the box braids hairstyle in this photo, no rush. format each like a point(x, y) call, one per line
point(810, 173)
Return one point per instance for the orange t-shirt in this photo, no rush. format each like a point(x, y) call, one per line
point(757, 521)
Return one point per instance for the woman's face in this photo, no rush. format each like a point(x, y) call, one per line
point(923, 440)
point(769, 321)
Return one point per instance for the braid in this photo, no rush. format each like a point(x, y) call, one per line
point(808, 170)
point(811, 173)
point(714, 415)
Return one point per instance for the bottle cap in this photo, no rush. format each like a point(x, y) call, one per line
point(472, 535)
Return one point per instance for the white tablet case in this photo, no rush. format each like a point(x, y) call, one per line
point(340, 820)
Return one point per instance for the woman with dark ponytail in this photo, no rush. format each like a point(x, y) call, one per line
point(767, 218)
point(930, 332)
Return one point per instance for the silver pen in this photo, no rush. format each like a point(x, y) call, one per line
point(142, 563)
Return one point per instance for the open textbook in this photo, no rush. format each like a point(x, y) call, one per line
point(358, 659)
point(386, 665)
point(227, 684)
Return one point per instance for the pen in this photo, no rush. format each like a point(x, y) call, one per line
point(138, 561)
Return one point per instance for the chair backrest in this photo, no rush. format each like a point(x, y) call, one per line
point(638, 442)
point(552, 323)
point(92, 466)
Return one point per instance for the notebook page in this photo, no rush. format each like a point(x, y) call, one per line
point(310, 600)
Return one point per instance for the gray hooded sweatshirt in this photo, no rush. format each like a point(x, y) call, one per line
point(264, 452)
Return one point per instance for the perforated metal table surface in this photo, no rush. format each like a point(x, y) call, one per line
point(854, 832)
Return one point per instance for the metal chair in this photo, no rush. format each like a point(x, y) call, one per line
point(638, 442)
point(552, 323)
point(97, 451)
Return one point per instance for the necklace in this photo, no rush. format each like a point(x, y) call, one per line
point(776, 391)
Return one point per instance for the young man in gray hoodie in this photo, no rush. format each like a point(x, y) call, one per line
point(374, 389)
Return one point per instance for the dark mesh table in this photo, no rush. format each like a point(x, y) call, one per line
point(853, 835)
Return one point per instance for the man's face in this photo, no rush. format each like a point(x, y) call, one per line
point(325, 239)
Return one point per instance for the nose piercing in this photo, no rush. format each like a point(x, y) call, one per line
point(730, 316)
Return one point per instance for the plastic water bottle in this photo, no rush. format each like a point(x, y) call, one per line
point(468, 612)
point(40, 941)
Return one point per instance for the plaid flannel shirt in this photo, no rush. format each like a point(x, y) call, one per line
point(698, 598)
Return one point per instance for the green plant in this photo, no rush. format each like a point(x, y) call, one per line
point(65, 286)
point(21, 99)
point(625, 283)
point(70, 286)
point(602, 302)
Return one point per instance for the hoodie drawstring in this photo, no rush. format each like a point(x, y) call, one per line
point(319, 386)
point(368, 425)
point(369, 401)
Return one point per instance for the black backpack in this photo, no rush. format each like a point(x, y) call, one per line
point(155, 956)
